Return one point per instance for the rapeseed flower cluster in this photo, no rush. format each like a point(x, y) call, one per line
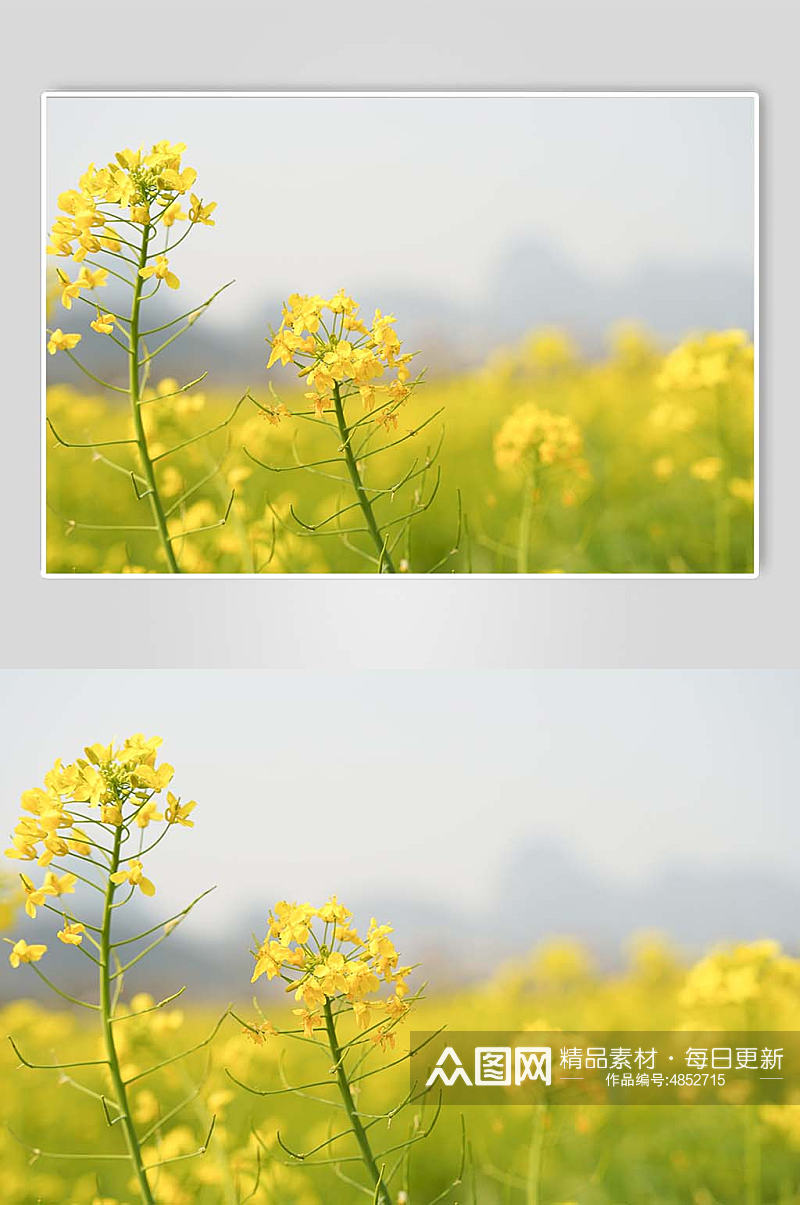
point(138, 182)
point(120, 785)
point(531, 438)
point(136, 189)
point(706, 362)
point(335, 350)
point(92, 812)
point(322, 958)
point(746, 977)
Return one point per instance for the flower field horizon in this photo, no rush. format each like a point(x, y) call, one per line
point(592, 1155)
point(539, 461)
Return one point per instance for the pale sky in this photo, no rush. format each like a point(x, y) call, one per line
point(316, 193)
point(422, 784)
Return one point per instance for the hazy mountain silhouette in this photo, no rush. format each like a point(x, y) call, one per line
point(534, 284)
point(543, 891)
point(547, 890)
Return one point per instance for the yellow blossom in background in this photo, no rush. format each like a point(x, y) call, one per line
point(742, 489)
point(707, 469)
point(663, 467)
point(706, 362)
point(756, 979)
point(630, 500)
point(550, 350)
point(532, 437)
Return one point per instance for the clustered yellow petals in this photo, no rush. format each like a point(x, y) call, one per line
point(532, 437)
point(706, 362)
point(321, 957)
point(53, 885)
point(342, 354)
point(135, 181)
point(121, 782)
point(146, 189)
point(740, 976)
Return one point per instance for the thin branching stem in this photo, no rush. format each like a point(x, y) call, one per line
point(138, 422)
point(361, 494)
point(120, 1093)
point(375, 1174)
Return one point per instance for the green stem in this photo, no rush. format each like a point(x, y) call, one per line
point(525, 524)
point(131, 1138)
point(382, 1193)
point(752, 1157)
point(361, 494)
point(138, 422)
point(535, 1156)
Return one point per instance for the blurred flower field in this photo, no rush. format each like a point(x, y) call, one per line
point(596, 1155)
point(540, 461)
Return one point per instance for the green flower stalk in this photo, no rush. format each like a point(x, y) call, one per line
point(112, 793)
point(351, 996)
point(112, 224)
point(357, 382)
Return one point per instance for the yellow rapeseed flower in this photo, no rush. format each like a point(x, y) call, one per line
point(89, 278)
point(71, 934)
point(201, 214)
point(322, 958)
point(161, 270)
point(22, 952)
point(60, 341)
point(177, 812)
point(707, 469)
point(355, 365)
point(103, 324)
point(135, 876)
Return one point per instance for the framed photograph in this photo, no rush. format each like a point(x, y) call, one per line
point(473, 333)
